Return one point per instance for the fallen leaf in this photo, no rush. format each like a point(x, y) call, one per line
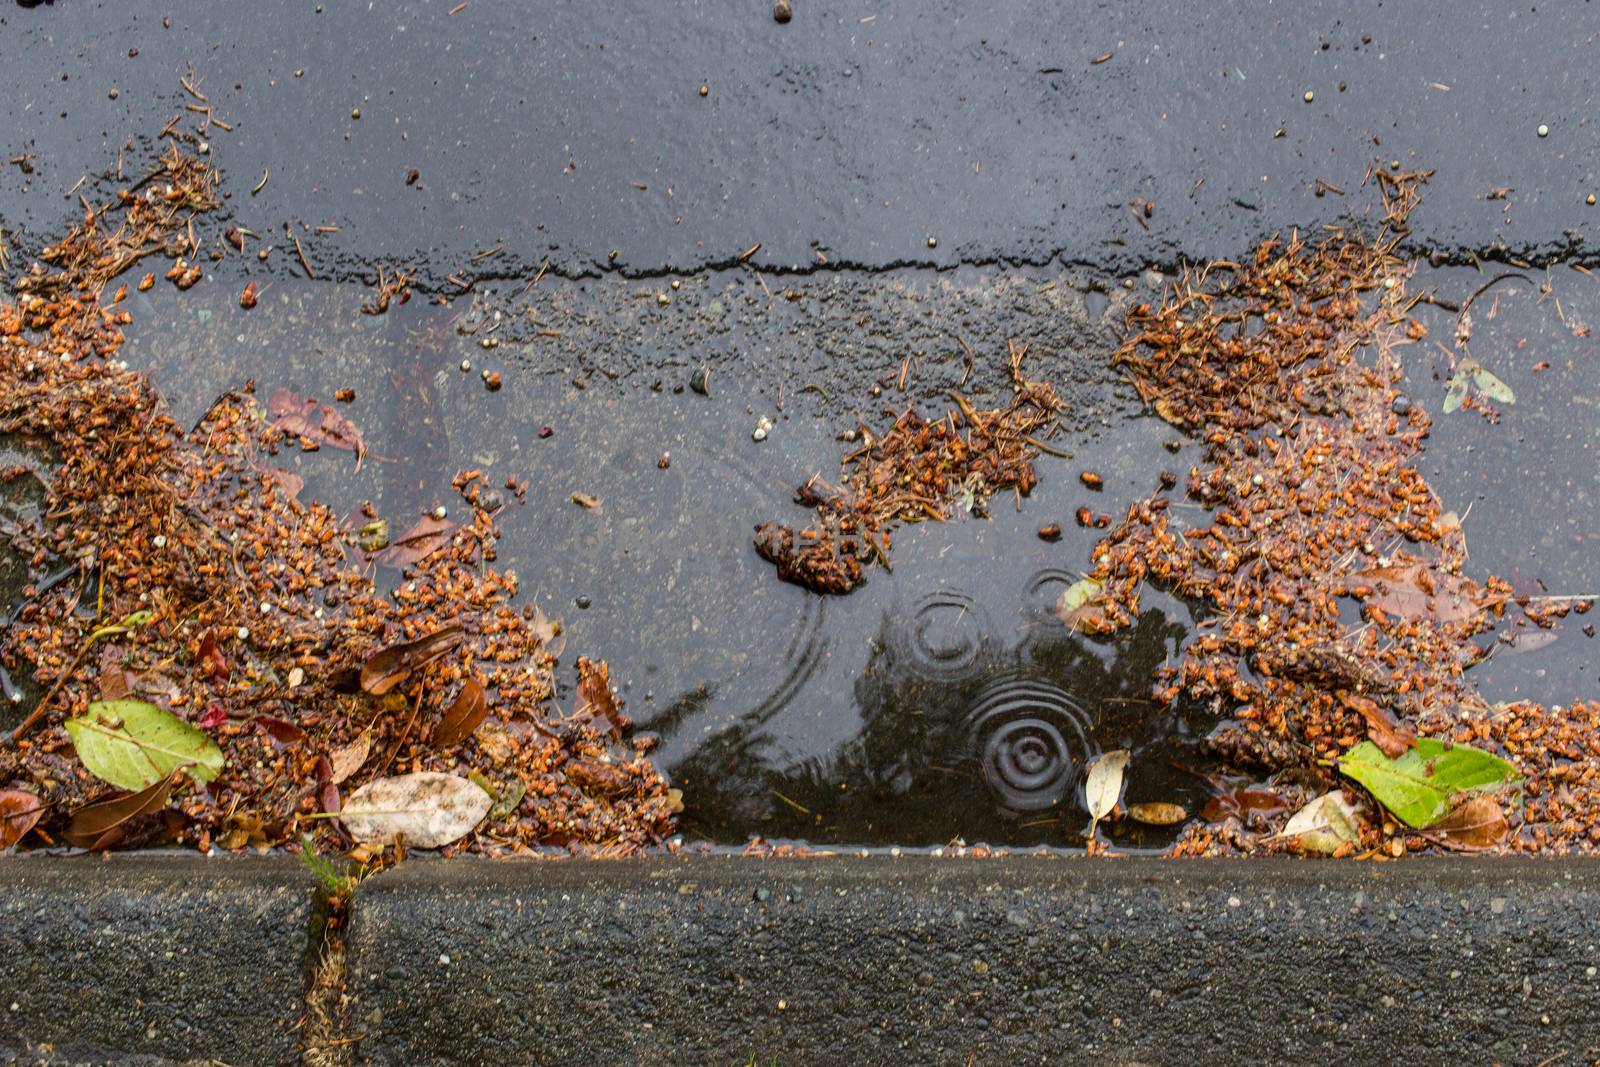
point(427, 809)
point(595, 699)
point(509, 799)
point(1492, 387)
point(1476, 823)
point(1391, 735)
point(348, 760)
point(1418, 788)
point(675, 801)
point(1077, 601)
point(373, 536)
point(90, 823)
point(463, 717)
point(209, 659)
point(315, 422)
point(281, 731)
point(549, 632)
point(1418, 591)
point(1324, 823)
point(1245, 804)
point(418, 543)
point(1104, 785)
point(1455, 392)
point(390, 666)
point(1158, 814)
point(19, 810)
point(215, 715)
point(132, 744)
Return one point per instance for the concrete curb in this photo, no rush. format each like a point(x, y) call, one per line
point(915, 960)
point(713, 960)
point(141, 959)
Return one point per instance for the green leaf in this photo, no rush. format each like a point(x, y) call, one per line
point(1455, 392)
point(133, 744)
point(1493, 387)
point(1418, 788)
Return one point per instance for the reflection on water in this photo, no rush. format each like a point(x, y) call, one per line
point(965, 730)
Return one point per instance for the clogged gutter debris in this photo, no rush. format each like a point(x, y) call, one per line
point(914, 471)
point(219, 667)
point(1285, 367)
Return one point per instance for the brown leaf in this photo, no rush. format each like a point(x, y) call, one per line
point(1418, 591)
point(418, 543)
point(19, 810)
point(348, 760)
point(282, 731)
point(595, 699)
point(1387, 732)
point(464, 715)
point(549, 632)
point(209, 660)
point(313, 421)
point(390, 666)
point(586, 501)
point(1476, 823)
point(92, 822)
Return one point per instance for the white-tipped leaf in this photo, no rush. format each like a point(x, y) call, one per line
point(1104, 785)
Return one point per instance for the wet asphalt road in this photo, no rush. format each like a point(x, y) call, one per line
point(848, 137)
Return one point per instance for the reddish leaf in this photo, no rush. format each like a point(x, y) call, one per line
point(418, 543)
point(1387, 732)
point(90, 824)
point(1476, 823)
point(595, 699)
point(288, 482)
point(1244, 803)
point(329, 796)
point(390, 666)
point(286, 732)
point(315, 422)
point(19, 810)
point(464, 715)
point(215, 715)
point(1418, 591)
point(209, 660)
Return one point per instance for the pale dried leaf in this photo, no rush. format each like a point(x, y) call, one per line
point(426, 809)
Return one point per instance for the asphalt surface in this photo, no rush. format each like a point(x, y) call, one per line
point(858, 131)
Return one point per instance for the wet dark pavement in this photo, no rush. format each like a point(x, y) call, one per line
point(846, 138)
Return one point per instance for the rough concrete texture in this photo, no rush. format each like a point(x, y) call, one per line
point(1020, 960)
point(151, 959)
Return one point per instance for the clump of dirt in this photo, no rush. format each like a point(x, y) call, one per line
point(914, 471)
point(1341, 610)
point(190, 575)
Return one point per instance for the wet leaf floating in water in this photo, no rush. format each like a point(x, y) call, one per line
point(595, 699)
point(1455, 392)
point(1476, 823)
point(317, 423)
point(418, 543)
point(90, 823)
point(1419, 786)
point(428, 809)
point(1324, 824)
point(1077, 600)
point(1387, 732)
point(19, 810)
point(390, 666)
point(463, 716)
point(1157, 813)
point(348, 760)
point(1104, 785)
point(133, 744)
point(1418, 591)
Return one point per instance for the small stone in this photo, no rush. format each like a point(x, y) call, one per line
point(1544, 131)
point(440, 512)
point(700, 380)
point(159, 540)
point(355, 112)
point(1401, 405)
point(1310, 96)
point(492, 381)
point(297, 677)
point(1589, 200)
point(466, 365)
point(933, 242)
point(705, 90)
point(665, 461)
point(676, 283)
point(583, 603)
point(661, 298)
point(113, 94)
point(758, 434)
point(763, 894)
point(782, 12)
point(546, 432)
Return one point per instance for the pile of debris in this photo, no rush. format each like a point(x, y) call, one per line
point(218, 664)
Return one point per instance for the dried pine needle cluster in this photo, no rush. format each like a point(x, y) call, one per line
point(1340, 610)
point(253, 615)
